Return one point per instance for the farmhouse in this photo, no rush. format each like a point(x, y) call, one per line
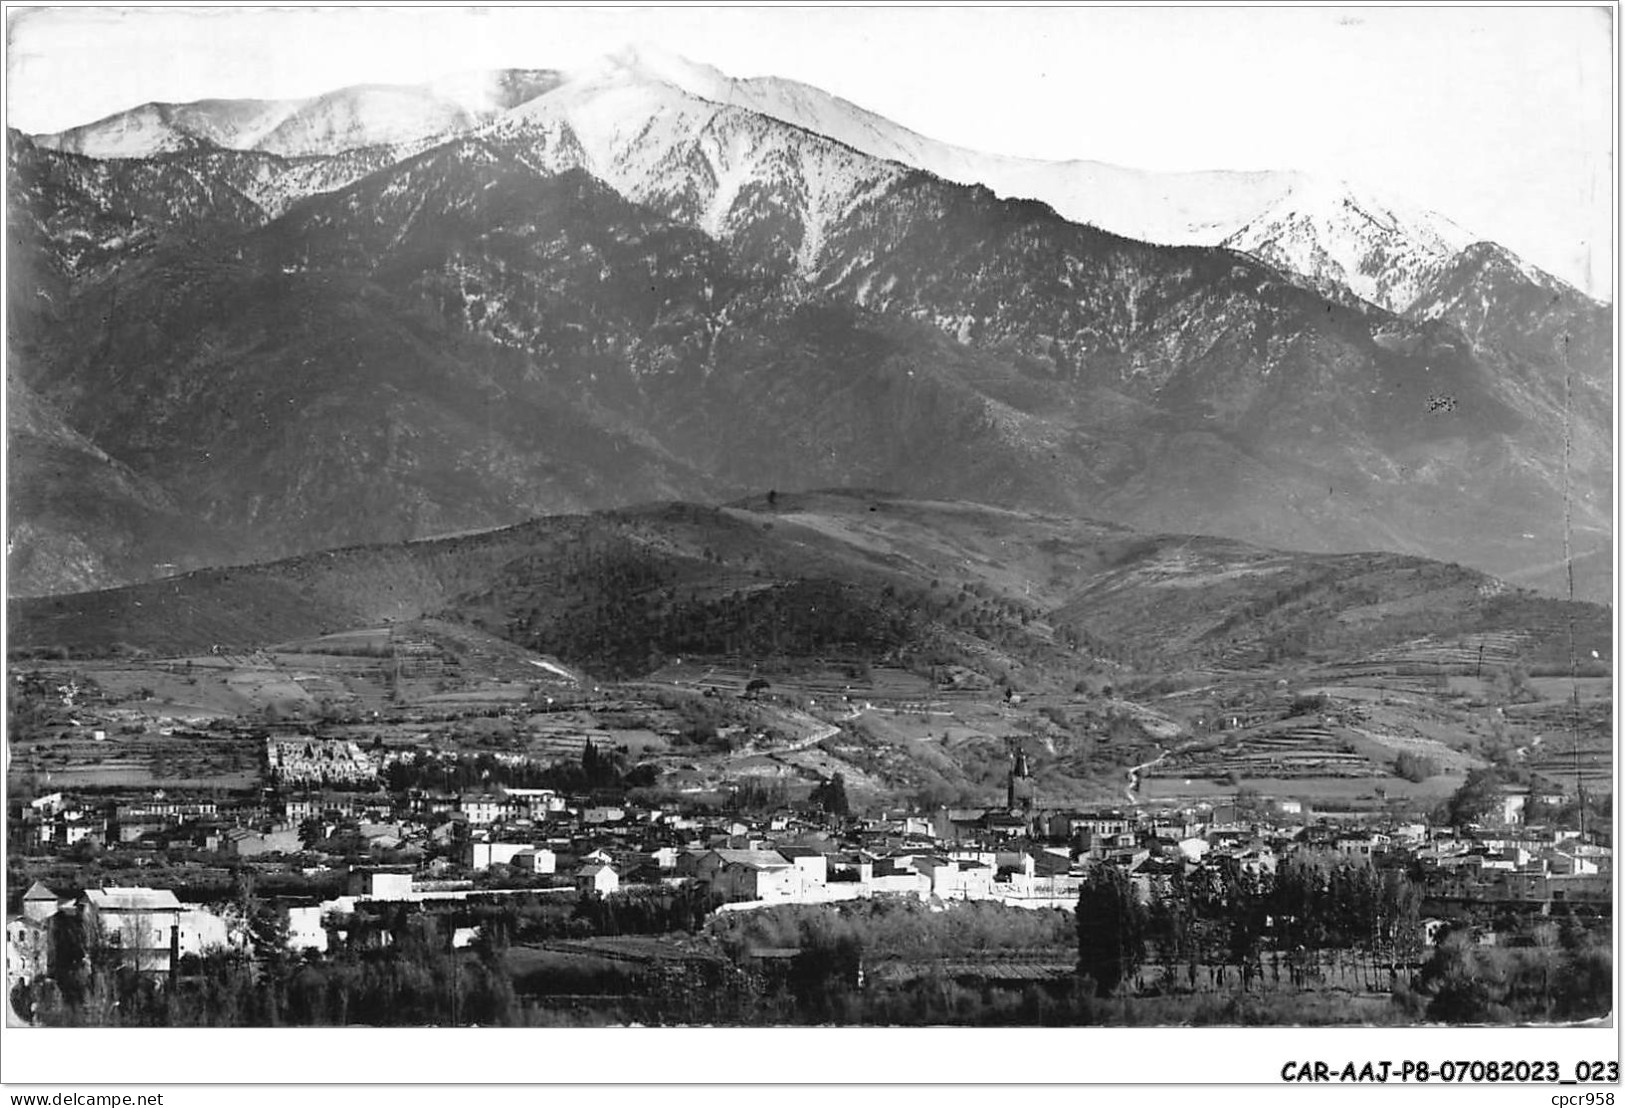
point(381, 882)
point(142, 924)
point(535, 859)
point(305, 928)
point(749, 874)
point(532, 859)
point(245, 842)
point(597, 879)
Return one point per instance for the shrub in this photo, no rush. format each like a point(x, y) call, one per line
point(1308, 705)
point(1466, 984)
point(1415, 768)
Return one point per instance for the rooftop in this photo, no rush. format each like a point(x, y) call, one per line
point(133, 899)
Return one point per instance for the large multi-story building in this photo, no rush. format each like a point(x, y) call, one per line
point(313, 762)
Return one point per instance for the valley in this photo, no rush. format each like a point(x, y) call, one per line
point(906, 645)
point(622, 544)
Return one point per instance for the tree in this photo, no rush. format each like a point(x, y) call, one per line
point(1112, 926)
point(1171, 929)
point(1466, 985)
point(262, 924)
point(1250, 804)
point(1397, 931)
point(597, 770)
point(1478, 798)
point(1585, 981)
point(642, 776)
point(831, 796)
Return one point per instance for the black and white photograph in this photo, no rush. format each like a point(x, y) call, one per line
point(824, 519)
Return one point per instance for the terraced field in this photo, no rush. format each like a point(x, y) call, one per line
point(1286, 750)
point(1569, 742)
point(146, 759)
point(1464, 654)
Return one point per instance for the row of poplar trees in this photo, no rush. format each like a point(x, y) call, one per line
point(1316, 918)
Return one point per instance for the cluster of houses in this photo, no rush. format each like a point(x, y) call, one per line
point(423, 846)
point(1519, 865)
point(133, 822)
point(536, 840)
point(144, 929)
point(57, 821)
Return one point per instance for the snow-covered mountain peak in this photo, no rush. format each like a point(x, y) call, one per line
point(728, 170)
point(611, 113)
point(1483, 279)
point(1492, 255)
point(615, 112)
point(1175, 208)
point(1342, 237)
point(801, 105)
point(1331, 199)
point(152, 129)
point(332, 123)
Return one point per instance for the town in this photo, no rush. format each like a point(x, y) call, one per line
point(348, 848)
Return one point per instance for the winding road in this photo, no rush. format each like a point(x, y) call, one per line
point(1134, 775)
point(1135, 771)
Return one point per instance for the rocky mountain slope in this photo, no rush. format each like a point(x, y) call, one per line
point(81, 518)
point(617, 290)
point(1549, 352)
point(1341, 239)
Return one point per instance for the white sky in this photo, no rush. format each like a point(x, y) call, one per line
point(1499, 117)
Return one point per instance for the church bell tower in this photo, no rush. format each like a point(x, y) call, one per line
point(1020, 788)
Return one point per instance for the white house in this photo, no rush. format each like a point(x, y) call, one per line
point(485, 855)
point(535, 859)
point(28, 949)
point(482, 810)
point(1510, 811)
point(1193, 848)
point(953, 879)
point(812, 866)
point(535, 803)
point(201, 931)
point(381, 884)
point(597, 879)
point(749, 874)
point(46, 806)
point(305, 930)
point(141, 923)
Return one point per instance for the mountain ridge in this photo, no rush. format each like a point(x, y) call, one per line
point(859, 575)
point(576, 304)
point(1209, 208)
point(325, 124)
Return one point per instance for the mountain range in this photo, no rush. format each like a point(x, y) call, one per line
point(243, 330)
